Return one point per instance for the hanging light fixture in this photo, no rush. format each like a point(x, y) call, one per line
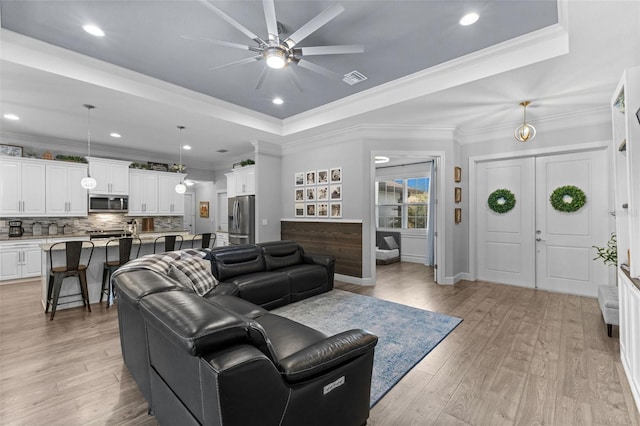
point(525, 132)
point(88, 182)
point(181, 188)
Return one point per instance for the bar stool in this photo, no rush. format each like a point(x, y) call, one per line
point(71, 268)
point(124, 255)
point(207, 241)
point(169, 242)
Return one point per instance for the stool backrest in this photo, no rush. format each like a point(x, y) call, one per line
point(125, 245)
point(169, 242)
point(206, 241)
point(73, 252)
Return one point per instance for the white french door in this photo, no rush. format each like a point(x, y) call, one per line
point(534, 245)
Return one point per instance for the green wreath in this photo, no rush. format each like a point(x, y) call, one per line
point(501, 200)
point(568, 198)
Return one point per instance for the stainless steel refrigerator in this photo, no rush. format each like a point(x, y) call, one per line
point(242, 220)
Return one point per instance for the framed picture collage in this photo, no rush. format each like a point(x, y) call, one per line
point(318, 193)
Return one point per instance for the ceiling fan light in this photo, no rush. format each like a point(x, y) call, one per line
point(275, 61)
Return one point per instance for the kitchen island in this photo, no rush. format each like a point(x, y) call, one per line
point(70, 286)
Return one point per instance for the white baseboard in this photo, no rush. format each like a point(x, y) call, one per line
point(354, 280)
point(412, 258)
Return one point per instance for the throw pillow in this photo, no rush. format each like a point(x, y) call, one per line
point(388, 243)
point(194, 272)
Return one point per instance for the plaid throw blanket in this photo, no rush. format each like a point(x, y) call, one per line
point(161, 262)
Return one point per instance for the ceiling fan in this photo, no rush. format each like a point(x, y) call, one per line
point(279, 53)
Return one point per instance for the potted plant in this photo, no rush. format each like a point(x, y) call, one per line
point(608, 254)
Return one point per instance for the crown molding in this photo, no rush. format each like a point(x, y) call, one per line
point(527, 49)
point(29, 52)
point(592, 117)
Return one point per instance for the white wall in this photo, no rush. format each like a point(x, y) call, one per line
point(268, 191)
point(205, 191)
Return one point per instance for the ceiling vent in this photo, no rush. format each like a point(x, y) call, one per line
point(354, 77)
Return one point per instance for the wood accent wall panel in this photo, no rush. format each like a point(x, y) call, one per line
point(339, 239)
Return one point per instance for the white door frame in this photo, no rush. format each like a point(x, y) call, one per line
point(440, 164)
point(473, 214)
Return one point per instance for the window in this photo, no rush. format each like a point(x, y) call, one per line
point(402, 203)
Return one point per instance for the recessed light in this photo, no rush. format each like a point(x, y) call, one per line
point(469, 19)
point(115, 135)
point(379, 159)
point(94, 30)
point(187, 147)
point(277, 101)
point(11, 117)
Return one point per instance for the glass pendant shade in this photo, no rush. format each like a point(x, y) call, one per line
point(181, 188)
point(525, 132)
point(88, 182)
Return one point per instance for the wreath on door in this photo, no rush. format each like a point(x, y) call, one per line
point(568, 198)
point(501, 200)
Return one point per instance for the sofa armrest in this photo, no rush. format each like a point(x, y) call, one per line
point(320, 259)
point(327, 354)
point(192, 322)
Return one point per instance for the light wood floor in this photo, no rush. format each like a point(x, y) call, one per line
point(519, 357)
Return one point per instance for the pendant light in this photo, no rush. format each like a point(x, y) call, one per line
point(88, 182)
point(181, 188)
point(525, 132)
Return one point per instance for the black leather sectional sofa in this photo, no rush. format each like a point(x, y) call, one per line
point(224, 359)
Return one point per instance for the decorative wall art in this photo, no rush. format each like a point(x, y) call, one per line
point(204, 209)
point(10, 150)
point(567, 198)
point(317, 193)
point(501, 200)
point(458, 194)
point(458, 215)
point(457, 174)
point(336, 210)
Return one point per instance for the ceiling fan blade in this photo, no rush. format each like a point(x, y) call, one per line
point(320, 70)
point(294, 78)
point(218, 42)
point(327, 15)
point(263, 76)
point(241, 61)
point(270, 16)
point(331, 50)
point(233, 22)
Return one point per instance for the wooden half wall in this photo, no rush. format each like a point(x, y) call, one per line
point(340, 239)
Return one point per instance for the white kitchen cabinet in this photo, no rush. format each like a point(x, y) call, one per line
point(65, 196)
point(112, 176)
point(170, 203)
point(143, 192)
point(22, 185)
point(231, 185)
point(20, 259)
point(242, 181)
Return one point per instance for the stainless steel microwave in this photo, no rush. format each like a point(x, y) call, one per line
point(106, 204)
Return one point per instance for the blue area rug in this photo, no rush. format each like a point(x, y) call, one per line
point(405, 334)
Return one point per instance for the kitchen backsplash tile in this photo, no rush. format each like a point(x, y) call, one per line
point(98, 221)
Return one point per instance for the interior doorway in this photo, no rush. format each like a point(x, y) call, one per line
point(189, 213)
point(534, 244)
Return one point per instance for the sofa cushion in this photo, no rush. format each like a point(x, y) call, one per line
point(195, 273)
point(267, 289)
point(283, 336)
point(228, 262)
point(306, 280)
point(237, 305)
point(280, 254)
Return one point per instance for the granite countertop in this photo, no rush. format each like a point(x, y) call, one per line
point(145, 237)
